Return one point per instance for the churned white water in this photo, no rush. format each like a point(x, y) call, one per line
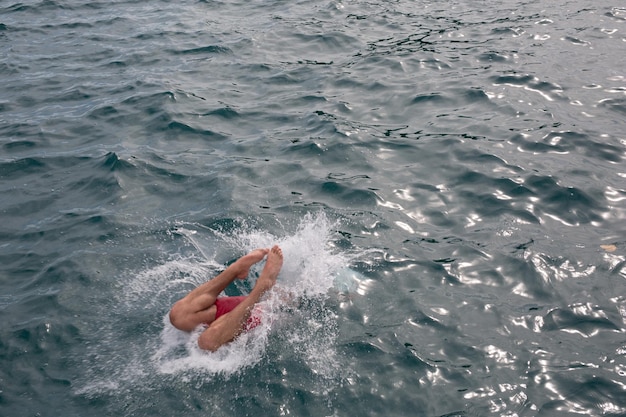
point(294, 313)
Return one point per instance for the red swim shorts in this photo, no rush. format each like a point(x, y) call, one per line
point(227, 304)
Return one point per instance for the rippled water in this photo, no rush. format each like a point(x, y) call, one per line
point(447, 180)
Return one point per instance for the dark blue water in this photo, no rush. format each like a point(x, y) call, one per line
point(447, 180)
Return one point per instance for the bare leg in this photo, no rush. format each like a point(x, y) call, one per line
point(227, 327)
point(197, 307)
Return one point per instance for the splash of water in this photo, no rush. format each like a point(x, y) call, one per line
point(308, 272)
point(132, 348)
point(309, 264)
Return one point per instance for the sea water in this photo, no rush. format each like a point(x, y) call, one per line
point(447, 180)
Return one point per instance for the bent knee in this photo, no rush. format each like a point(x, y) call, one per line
point(207, 343)
point(179, 318)
point(213, 337)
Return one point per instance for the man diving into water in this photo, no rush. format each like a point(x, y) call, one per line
point(226, 317)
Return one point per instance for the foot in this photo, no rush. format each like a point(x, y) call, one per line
point(242, 265)
point(272, 267)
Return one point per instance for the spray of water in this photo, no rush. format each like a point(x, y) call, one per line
point(308, 273)
point(135, 341)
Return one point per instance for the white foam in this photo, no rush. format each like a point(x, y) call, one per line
point(130, 349)
point(309, 270)
point(179, 352)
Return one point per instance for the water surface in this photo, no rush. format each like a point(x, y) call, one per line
point(446, 180)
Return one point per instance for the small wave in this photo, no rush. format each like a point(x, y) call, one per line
point(548, 90)
point(616, 104)
point(209, 49)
